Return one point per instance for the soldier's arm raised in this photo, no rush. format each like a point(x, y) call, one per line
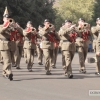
point(64, 32)
point(93, 30)
point(25, 33)
point(2, 29)
point(20, 30)
point(44, 31)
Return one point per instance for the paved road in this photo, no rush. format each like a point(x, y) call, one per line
point(38, 86)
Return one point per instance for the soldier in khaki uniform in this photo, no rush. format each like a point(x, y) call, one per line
point(54, 47)
point(60, 45)
point(55, 52)
point(46, 45)
point(29, 44)
point(83, 31)
point(68, 46)
point(96, 44)
point(1, 58)
point(39, 48)
point(6, 45)
point(19, 46)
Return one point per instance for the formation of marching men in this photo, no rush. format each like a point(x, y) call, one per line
point(46, 41)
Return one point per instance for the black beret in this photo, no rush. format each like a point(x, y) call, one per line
point(68, 21)
point(6, 16)
point(40, 25)
point(29, 22)
point(46, 20)
point(98, 19)
point(81, 19)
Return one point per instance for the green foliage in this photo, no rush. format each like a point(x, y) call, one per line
point(96, 10)
point(75, 9)
point(25, 10)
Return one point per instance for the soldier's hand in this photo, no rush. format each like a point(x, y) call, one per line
point(73, 26)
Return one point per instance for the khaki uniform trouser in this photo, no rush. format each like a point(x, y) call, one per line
point(7, 62)
point(1, 58)
point(68, 57)
point(18, 55)
point(48, 53)
point(29, 57)
point(55, 53)
point(82, 51)
point(63, 60)
point(40, 55)
point(52, 59)
point(98, 64)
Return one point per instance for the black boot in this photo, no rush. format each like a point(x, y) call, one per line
point(10, 77)
point(48, 73)
point(82, 71)
point(70, 76)
point(97, 73)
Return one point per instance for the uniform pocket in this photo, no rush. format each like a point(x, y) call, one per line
point(66, 46)
point(4, 45)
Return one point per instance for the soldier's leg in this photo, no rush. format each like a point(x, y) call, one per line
point(68, 70)
point(51, 57)
point(81, 57)
point(25, 55)
point(32, 57)
point(20, 49)
point(16, 54)
point(12, 57)
point(56, 53)
point(7, 64)
point(63, 61)
point(72, 53)
point(41, 57)
point(39, 54)
point(28, 52)
point(98, 64)
point(1, 58)
point(85, 53)
point(0, 55)
point(46, 53)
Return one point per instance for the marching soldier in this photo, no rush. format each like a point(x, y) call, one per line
point(54, 38)
point(29, 44)
point(60, 45)
point(6, 47)
point(96, 43)
point(46, 45)
point(19, 46)
point(39, 47)
point(83, 33)
point(68, 36)
point(55, 52)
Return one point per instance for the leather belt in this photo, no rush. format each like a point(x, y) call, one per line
point(65, 41)
point(45, 40)
point(27, 40)
point(94, 39)
point(4, 39)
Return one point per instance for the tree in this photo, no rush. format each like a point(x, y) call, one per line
point(25, 10)
point(74, 9)
point(96, 10)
